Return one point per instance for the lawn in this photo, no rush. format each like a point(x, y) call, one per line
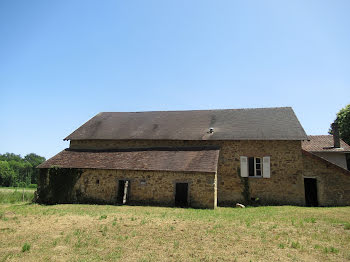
point(31, 232)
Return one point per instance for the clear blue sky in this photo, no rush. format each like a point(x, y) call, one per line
point(62, 62)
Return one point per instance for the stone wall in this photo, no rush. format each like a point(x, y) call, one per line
point(338, 158)
point(147, 187)
point(333, 182)
point(285, 186)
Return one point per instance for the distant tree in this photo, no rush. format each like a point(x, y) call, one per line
point(343, 121)
point(10, 156)
point(15, 170)
point(34, 160)
point(7, 175)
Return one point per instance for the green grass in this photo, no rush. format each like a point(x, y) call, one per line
point(15, 195)
point(141, 233)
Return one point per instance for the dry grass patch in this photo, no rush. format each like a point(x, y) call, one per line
point(135, 233)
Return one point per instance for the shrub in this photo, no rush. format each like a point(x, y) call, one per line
point(25, 247)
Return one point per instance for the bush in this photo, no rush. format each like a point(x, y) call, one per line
point(25, 247)
point(33, 186)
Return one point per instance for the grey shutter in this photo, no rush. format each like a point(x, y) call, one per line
point(244, 166)
point(266, 167)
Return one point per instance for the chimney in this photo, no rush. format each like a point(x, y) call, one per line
point(336, 137)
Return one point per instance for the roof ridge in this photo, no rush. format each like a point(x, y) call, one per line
point(196, 110)
point(141, 149)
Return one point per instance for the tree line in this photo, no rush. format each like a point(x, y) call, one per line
point(17, 171)
point(343, 121)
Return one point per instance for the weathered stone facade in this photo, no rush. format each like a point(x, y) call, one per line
point(148, 187)
point(333, 183)
point(285, 186)
point(289, 166)
point(145, 187)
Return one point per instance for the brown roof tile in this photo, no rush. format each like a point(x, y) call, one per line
point(162, 159)
point(323, 143)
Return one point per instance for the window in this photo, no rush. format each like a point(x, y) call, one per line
point(255, 166)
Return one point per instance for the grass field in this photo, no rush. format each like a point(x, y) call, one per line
point(15, 195)
point(30, 232)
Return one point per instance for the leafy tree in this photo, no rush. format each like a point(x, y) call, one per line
point(343, 121)
point(10, 156)
point(15, 170)
point(7, 175)
point(34, 160)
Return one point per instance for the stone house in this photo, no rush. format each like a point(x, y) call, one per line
point(200, 158)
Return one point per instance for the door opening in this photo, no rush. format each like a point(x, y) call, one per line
point(310, 185)
point(181, 195)
point(123, 192)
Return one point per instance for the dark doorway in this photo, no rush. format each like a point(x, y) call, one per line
point(181, 195)
point(310, 185)
point(123, 192)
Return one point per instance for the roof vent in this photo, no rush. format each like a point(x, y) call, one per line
point(211, 130)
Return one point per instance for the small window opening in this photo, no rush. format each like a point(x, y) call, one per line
point(255, 166)
point(97, 181)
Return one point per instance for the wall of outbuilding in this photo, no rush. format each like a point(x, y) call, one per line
point(285, 186)
point(147, 187)
point(333, 182)
point(338, 158)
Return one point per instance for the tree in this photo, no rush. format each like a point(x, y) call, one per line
point(7, 175)
point(15, 170)
point(343, 121)
point(34, 160)
point(10, 156)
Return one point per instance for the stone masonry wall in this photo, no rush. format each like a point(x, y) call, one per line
point(333, 183)
point(147, 187)
point(285, 186)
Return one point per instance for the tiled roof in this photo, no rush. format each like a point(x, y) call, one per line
point(228, 124)
point(323, 143)
point(163, 159)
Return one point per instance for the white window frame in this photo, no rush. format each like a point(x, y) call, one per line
point(255, 169)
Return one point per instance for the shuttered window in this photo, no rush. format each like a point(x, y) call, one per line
point(266, 167)
point(255, 166)
point(244, 166)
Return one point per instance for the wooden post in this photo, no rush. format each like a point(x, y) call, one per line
point(125, 191)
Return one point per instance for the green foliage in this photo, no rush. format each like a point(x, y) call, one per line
point(25, 247)
point(246, 188)
point(295, 245)
point(56, 185)
point(8, 176)
point(16, 171)
point(343, 121)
